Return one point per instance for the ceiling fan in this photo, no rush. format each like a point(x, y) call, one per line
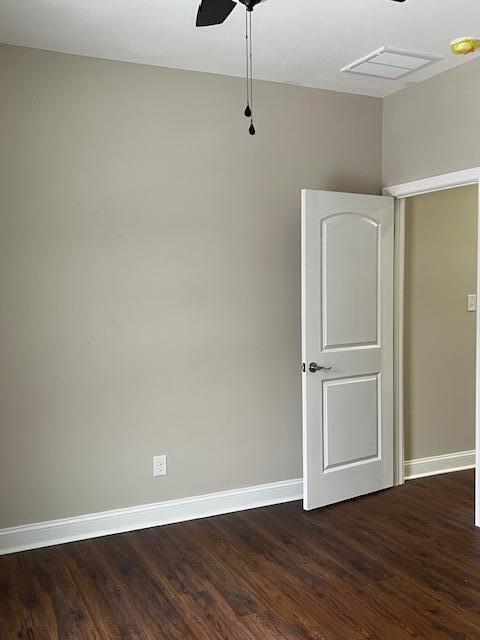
point(211, 12)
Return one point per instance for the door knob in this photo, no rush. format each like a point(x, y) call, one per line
point(314, 367)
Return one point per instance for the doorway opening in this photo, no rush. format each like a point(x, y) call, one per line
point(439, 331)
point(450, 296)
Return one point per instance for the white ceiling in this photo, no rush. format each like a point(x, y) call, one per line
point(302, 42)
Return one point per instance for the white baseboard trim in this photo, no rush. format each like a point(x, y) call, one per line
point(439, 464)
point(94, 525)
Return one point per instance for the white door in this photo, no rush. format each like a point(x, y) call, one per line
point(347, 343)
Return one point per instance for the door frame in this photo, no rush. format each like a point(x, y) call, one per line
point(401, 192)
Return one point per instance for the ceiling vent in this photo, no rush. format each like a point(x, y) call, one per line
point(391, 64)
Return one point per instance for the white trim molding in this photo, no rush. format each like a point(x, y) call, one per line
point(477, 378)
point(399, 342)
point(94, 525)
point(435, 465)
point(435, 183)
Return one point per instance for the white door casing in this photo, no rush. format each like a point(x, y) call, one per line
point(347, 318)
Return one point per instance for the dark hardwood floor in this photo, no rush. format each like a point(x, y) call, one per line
point(401, 564)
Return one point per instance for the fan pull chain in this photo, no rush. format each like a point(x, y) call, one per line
point(248, 111)
point(251, 129)
point(249, 63)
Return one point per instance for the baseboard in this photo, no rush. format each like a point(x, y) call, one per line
point(439, 464)
point(45, 534)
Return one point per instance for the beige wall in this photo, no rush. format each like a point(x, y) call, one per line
point(433, 127)
point(439, 332)
point(150, 276)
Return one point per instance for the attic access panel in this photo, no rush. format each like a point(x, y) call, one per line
point(391, 64)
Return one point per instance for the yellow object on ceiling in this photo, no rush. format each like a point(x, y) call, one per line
point(463, 46)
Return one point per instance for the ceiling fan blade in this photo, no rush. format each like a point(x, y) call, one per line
point(214, 12)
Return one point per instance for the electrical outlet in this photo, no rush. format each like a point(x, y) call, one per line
point(160, 466)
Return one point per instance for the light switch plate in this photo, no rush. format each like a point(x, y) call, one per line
point(471, 302)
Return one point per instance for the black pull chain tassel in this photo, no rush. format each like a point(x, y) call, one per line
point(248, 113)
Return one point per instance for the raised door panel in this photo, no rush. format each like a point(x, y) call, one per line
point(350, 282)
point(351, 422)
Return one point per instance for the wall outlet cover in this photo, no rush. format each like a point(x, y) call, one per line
point(160, 465)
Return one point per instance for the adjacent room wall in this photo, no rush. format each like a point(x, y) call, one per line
point(433, 127)
point(441, 254)
point(150, 276)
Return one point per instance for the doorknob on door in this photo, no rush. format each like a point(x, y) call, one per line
point(314, 367)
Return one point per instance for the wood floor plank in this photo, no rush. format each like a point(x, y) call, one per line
point(160, 614)
point(288, 594)
point(364, 595)
point(109, 607)
point(402, 564)
point(66, 615)
point(12, 614)
point(217, 579)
